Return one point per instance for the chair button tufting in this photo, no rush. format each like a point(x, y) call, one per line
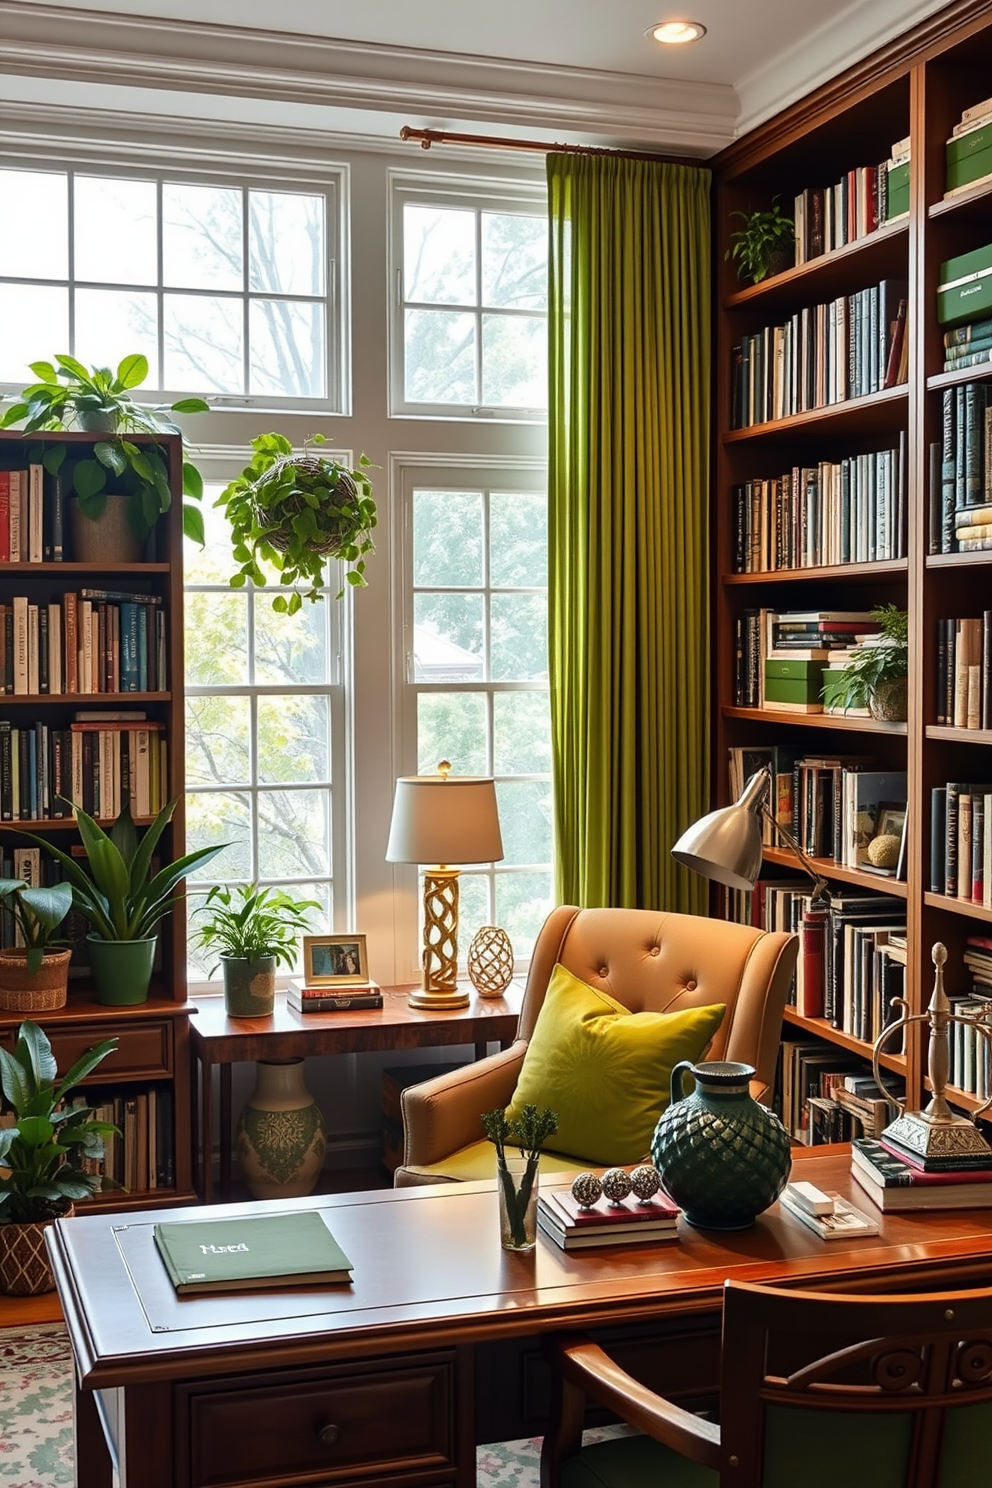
point(604, 971)
point(690, 985)
point(656, 950)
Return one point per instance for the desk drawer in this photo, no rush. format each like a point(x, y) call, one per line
point(144, 1050)
point(319, 1426)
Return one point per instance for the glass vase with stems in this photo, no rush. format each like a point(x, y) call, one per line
point(517, 1176)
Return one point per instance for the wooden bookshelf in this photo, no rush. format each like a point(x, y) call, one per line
point(917, 86)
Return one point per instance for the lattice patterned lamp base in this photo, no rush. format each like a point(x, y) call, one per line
point(440, 955)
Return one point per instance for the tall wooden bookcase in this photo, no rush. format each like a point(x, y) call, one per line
point(152, 1050)
point(918, 86)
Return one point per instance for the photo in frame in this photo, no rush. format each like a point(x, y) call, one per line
point(335, 960)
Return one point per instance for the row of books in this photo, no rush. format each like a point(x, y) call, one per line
point(32, 529)
point(95, 641)
point(303, 998)
point(141, 1155)
point(967, 345)
point(829, 217)
point(961, 472)
point(848, 511)
point(810, 641)
point(961, 842)
point(103, 767)
point(631, 1222)
point(964, 672)
point(824, 354)
point(825, 1094)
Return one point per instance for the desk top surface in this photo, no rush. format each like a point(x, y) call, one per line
point(429, 1272)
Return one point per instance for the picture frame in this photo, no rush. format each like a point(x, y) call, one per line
point(891, 819)
point(335, 960)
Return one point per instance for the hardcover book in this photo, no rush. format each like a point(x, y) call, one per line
point(893, 1184)
point(250, 1253)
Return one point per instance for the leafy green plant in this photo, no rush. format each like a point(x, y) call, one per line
point(528, 1132)
point(44, 1151)
point(881, 659)
point(68, 395)
point(118, 895)
point(294, 511)
point(248, 922)
point(763, 234)
point(37, 913)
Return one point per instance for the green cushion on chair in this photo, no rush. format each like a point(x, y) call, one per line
point(828, 1443)
point(606, 1071)
point(634, 1462)
point(479, 1161)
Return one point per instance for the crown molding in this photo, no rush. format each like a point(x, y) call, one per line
point(444, 90)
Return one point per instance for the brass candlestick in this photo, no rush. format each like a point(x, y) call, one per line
point(937, 1131)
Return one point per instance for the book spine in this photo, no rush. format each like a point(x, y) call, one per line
point(938, 827)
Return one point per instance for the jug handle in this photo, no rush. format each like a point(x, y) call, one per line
point(678, 1079)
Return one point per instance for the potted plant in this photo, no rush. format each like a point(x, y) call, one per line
point(42, 1155)
point(764, 245)
point(98, 400)
point(294, 511)
point(123, 900)
point(33, 977)
point(517, 1176)
point(254, 930)
point(876, 676)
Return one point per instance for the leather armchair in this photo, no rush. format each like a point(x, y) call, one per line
point(647, 960)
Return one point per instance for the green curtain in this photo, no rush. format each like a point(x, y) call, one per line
point(629, 421)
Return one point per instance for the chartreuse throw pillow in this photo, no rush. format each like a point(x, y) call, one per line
point(606, 1071)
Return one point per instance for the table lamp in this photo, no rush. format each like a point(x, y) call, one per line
point(445, 820)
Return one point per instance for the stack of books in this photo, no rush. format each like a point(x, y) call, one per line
point(895, 1178)
point(304, 998)
point(630, 1223)
point(969, 149)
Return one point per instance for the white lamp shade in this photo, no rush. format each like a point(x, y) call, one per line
point(445, 820)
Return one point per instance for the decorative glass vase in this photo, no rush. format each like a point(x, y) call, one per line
point(722, 1156)
point(281, 1137)
point(517, 1188)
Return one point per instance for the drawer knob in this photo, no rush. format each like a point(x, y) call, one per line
point(328, 1435)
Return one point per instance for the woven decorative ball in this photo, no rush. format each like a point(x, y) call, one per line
point(586, 1190)
point(616, 1184)
point(883, 852)
point(644, 1182)
point(490, 961)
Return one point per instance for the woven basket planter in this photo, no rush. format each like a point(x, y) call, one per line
point(331, 542)
point(22, 991)
point(24, 1268)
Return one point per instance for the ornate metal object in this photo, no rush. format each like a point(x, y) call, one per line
point(616, 1184)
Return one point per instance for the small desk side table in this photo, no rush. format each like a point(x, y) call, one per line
point(216, 1039)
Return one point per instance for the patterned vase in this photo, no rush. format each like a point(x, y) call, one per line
point(722, 1157)
point(281, 1137)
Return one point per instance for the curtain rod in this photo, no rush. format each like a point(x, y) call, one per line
point(428, 137)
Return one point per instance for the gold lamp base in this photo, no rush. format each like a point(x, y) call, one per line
point(950, 1137)
point(440, 991)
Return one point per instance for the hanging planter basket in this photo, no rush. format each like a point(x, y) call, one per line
point(330, 543)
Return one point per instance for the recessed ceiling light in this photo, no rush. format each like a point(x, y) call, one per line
point(677, 33)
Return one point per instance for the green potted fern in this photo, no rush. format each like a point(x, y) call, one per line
point(876, 676)
point(253, 930)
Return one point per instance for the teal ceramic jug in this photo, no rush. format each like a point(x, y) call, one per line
point(722, 1157)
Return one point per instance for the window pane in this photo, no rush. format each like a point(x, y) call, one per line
point(216, 639)
point(217, 734)
point(519, 642)
point(447, 538)
point(514, 361)
point(518, 539)
point(202, 237)
point(523, 903)
point(514, 261)
point(447, 637)
point(290, 648)
point(113, 323)
point(294, 839)
point(440, 357)
point(213, 563)
point(35, 323)
point(286, 242)
point(116, 241)
point(521, 733)
point(293, 735)
point(30, 197)
point(204, 343)
point(287, 348)
point(525, 820)
point(439, 255)
point(474, 909)
point(452, 726)
point(220, 816)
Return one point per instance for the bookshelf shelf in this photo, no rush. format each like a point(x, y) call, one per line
point(875, 413)
point(84, 700)
point(61, 823)
point(820, 1028)
point(953, 379)
point(973, 203)
point(866, 573)
point(876, 883)
point(958, 906)
point(816, 720)
point(60, 570)
point(958, 735)
point(957, 1097)
point(977, 559)
point(874, 256)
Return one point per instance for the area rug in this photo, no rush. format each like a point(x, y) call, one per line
point(36, 1419)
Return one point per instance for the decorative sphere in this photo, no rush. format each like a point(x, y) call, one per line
point(616, 1184)
point(586, 1190)
point(883, 852)
point(490, 961)
point(644, 1182)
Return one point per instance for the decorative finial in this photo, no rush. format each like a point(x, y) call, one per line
point(444, 770)
point(939, 954)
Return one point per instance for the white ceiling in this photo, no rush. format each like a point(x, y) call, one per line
point(565, 69)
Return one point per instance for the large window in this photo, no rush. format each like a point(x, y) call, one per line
point(226, 289)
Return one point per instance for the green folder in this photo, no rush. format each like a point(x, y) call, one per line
point(251, 1252)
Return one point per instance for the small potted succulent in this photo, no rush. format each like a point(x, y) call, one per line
point(876, 676)
point(294, 511)
point(42, 1155)
point(516, 1177)
point(34, 977)
point(764, 245)
point(253, 930)
point(98, 400)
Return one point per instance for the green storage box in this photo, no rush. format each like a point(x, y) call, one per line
point(834, 689)
point(794, 671)
point(897, 198)
point(789, 690)
point(971, 168)
point(964, 290)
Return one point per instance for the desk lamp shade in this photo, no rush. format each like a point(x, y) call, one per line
point(726, 845)
point(443, 820)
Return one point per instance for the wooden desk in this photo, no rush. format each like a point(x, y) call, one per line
point(375, 1381)
point(216, 1039)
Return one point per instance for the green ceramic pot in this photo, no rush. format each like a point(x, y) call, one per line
point(722, 1157)
point(122, 969)
point(249, 986)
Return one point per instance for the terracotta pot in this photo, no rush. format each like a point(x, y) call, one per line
point(24, 1268)
point(281, 1138)
point(22, 991)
